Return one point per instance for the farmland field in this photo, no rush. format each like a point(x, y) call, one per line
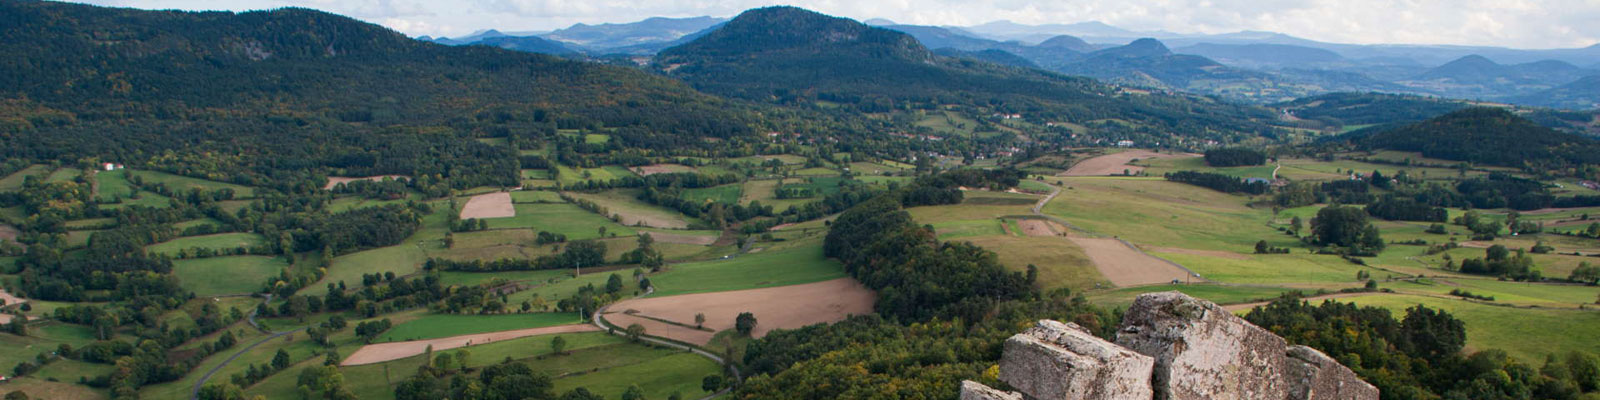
point(729, 194)
point(749, 271)
point(631, 211)
point(182, 184)
point(659, 377)
point(227, 275)
point(566, 219)
point(1505, 328)
point(213, 242)
point(14, 181)
point(445, 325)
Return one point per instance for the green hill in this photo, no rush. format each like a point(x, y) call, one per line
point(251, 95)
point(1489, 136)
point(789, 55)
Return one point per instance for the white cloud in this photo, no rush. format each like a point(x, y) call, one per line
point(1514, 23)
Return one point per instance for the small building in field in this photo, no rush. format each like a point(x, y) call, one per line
point(111, 166)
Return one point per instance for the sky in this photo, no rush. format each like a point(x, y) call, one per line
point(1509, 23)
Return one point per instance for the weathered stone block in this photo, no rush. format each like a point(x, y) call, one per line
point(1203, 352)
point(1315, 376)
point(1057, 361)
point(977, 391)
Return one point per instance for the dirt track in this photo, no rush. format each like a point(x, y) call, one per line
point(377, 353)
point(335, 180)
point(491, 205)
point(785, 307)
point(682, 239)
point(1115, 163)
point(1039, 227)
point(1125, 266)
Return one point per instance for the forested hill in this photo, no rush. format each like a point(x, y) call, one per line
point(1490, 136)
point(794, 56)
point(293, 89)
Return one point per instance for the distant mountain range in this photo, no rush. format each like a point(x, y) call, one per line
point(1255, 67)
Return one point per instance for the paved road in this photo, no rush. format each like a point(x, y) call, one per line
point(194, 393)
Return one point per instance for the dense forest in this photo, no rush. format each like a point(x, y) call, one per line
point(1488, 136)
point(167, 83)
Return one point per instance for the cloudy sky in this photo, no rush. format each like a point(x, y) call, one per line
point(1512, 23)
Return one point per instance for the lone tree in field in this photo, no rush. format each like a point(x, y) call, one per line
point(745, 323)
point(635, 331)
point(614, 283)
point(1346, 227)
point(711, 383)
point(700, 320)
point(558, 345)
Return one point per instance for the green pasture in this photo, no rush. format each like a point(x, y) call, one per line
point(227, 275)
point(433, 326)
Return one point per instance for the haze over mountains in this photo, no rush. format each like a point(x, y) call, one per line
point(1249, 66)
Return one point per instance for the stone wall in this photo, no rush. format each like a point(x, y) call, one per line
point(1170, 347)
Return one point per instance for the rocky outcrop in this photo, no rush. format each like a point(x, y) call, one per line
point(1170, 347)
point(1315, 376)
point(1202, 351)
point(976, 391)
point(1056, 361)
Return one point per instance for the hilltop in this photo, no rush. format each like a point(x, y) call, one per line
point(124, 83)
point(794, 56)
point(1489, 136)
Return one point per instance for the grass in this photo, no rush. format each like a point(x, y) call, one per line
point(146, 199)
point(449, 278)
point(727, 194)
point(749, 271)
point(14, 181)
point(214, 242)
point(63, 175)
point(1299, 269)
point(596, 138)
point(536, 346)
point(182, 184)
point(569, 175)
point(113, 184)
point(434, 326)
point(1527, 334)
point(1189, 217)
point(227, 275)
point(625, 203)
point(566, 219)
point(659, 377)
point(1061, 263)
point(551, 293)
point(1220, 294)
point(402, 259)
point(948, 230)
point(535, 196)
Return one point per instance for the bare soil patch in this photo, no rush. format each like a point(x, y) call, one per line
point(681, 239)
point(1039, 227)
point(9, 232)
point(785, 307)
point(1207, 253)
point(652, 169)
point(1125, 266)
point(377, 353)
point(490, 205)
point(1115, 163)
point(335, 180)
